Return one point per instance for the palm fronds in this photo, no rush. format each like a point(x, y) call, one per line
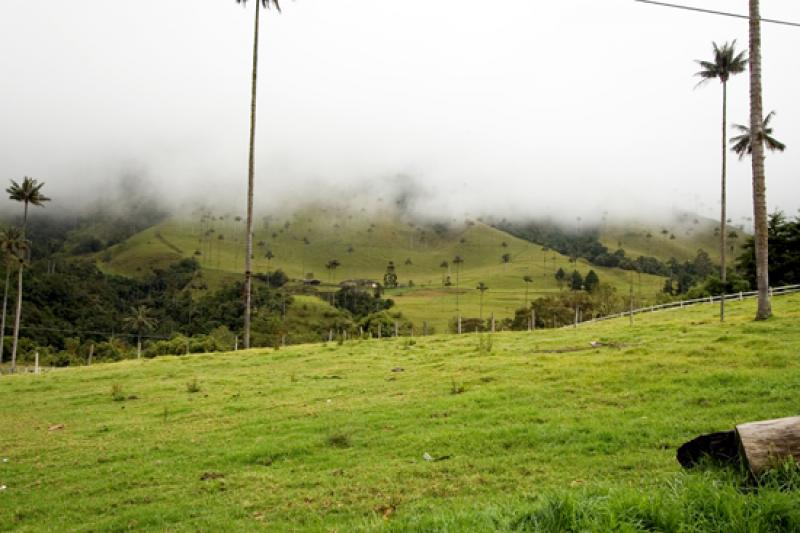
point(742, 144)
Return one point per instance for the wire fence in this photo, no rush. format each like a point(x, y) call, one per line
point(738, 296)
point(389, 332)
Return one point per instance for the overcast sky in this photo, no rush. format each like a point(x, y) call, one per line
point(507, 105)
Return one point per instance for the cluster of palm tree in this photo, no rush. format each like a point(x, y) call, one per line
point(751, 140)
point(331, 267)
point(15, 247)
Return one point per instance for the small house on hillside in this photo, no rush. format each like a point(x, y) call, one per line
point(365, 285)
point(360, 284)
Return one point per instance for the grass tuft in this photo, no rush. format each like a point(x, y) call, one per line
point(485, 344)
point(192, 386)
point(457, 387)
point(339, 440)
point(117, 392)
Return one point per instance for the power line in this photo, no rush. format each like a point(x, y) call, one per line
point(714, 12)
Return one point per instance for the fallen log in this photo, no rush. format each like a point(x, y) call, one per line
point(760, 446)
point(767, 444)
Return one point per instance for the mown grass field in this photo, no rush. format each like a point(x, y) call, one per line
point(364, 247)
point(332, 437)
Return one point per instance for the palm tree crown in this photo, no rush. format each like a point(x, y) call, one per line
point(726, 62)
point(743, 144)
point(140, 320)
point(13, 245)
point(28, 192)
point(265, 3)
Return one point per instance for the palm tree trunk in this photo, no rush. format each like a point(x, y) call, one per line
point(5, 306)
point(759, 180)
point(723, 219)
point(458, 271)
point(248, 274)
point(18, 313)
point(16, 320)
point(139, 346)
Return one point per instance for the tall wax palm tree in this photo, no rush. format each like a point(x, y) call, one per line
point(458, 261)
point(445, 264)
point(528, 280)
point(742, 144)
point(11, 245)
point(761, 236)
point(29, 192)
point(483, 288)
point(139, 321)
point(725, 64)
point(248, 259)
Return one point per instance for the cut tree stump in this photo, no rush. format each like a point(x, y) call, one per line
point(767, 444)
point(760, 445)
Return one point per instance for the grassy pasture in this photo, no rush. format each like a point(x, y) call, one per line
point(364, 247)
point(330, 438)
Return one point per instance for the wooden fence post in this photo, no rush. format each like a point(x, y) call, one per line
point(36, 364)
point(459, 324)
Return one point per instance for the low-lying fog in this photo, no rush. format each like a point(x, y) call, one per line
point(514, 108)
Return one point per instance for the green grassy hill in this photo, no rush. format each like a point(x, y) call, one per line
point(304, 243)
point(680, 238)
point(333, 437)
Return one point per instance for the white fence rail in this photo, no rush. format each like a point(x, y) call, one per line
point(773, 291)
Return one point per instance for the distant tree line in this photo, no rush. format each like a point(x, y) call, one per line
point(77, 300)
point(586, 245)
